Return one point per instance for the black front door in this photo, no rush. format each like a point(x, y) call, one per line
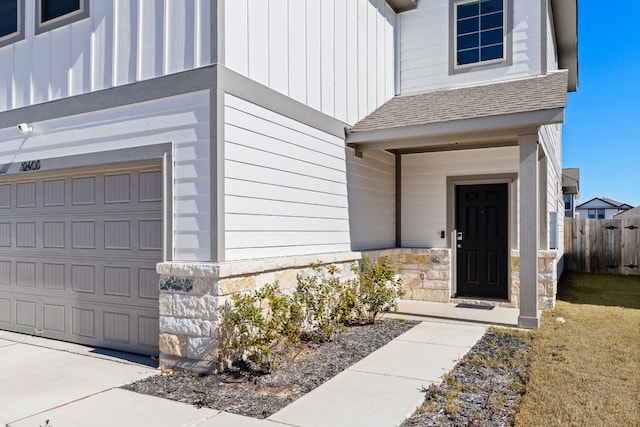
point(482, 244)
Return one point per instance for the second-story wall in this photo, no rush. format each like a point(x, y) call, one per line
point(122, 41)
point(336, 56)
point(425, 47)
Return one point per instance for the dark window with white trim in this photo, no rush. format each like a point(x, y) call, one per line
point(479, 34)
point(596, 213)
point(11, 21)
point(56, 13)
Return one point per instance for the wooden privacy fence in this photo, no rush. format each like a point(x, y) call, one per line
point(602, 245)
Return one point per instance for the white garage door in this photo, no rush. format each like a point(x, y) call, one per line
point(78, 254)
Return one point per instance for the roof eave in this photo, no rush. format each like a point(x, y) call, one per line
point(565, 18)
point(496, 128)
point(402, 5)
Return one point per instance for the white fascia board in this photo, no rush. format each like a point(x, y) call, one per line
point(453, 130)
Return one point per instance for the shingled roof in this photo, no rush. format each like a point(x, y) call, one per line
point(516, 96)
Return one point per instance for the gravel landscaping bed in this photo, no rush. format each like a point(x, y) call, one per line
point(244, 391)
point(484, 388)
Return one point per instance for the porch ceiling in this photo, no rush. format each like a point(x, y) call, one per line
point(472, 117)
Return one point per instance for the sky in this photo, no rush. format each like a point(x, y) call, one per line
point(601, 135)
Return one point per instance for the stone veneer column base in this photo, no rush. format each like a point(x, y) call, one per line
point(547, 279)
point(191, 295)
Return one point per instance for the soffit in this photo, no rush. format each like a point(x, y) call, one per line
point(402, 5)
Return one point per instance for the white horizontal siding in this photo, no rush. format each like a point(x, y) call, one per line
point(424, 48)
point(332, 55)
point(371, 182)
point(182, 120)
point(285, 186)
point(424, 187)
point(121, 42)
point(551, 138)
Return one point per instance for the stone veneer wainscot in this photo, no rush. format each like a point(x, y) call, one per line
point(191, 295)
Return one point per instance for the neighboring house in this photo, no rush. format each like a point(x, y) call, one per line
point(633, 213)
point(570, 190)
point(213, 146)
point(601, 208)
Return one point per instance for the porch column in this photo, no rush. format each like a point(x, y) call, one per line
point(529, 231)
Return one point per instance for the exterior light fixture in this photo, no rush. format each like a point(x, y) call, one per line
point(25, 128)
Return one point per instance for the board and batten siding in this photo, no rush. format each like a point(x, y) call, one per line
point(285, 186)
point(335, 56)
point(424, 48)
point(424, 188)
point(372, 191)
point(121, 42)
point(182, 120)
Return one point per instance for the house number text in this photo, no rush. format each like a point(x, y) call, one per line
point(33, 165)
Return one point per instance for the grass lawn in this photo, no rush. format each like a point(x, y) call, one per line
point(586, 371)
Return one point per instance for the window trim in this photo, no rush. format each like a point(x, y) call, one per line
point(19, 34)
point(568, 199)
point(69, 18)
point(507, 59)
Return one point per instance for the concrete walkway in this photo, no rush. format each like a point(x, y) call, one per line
point(72, 385)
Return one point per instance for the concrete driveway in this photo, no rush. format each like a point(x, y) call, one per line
point(38, 375)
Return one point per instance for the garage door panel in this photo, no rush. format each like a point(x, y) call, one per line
point(53, 235)
point(26, 274)
point(26, 195)
point(83, 234)
point(78, 256)
point(5, 196)
point(5, 235)
point(53, 276)
point(53, 318)
point(26, 234)
point(54, 193)
point(83, 278)
point(83, 191)
point(150, 187)
point(117, 234)
point(83, 321)
point(148, 331)
point(148, 283)
point(26, 313)
point(5, 310)
point(117, 188)
point(117, 281)
point(5, 273)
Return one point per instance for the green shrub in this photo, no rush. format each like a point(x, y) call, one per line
point(378, 288)
point(327, 301)
point(261, 324)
